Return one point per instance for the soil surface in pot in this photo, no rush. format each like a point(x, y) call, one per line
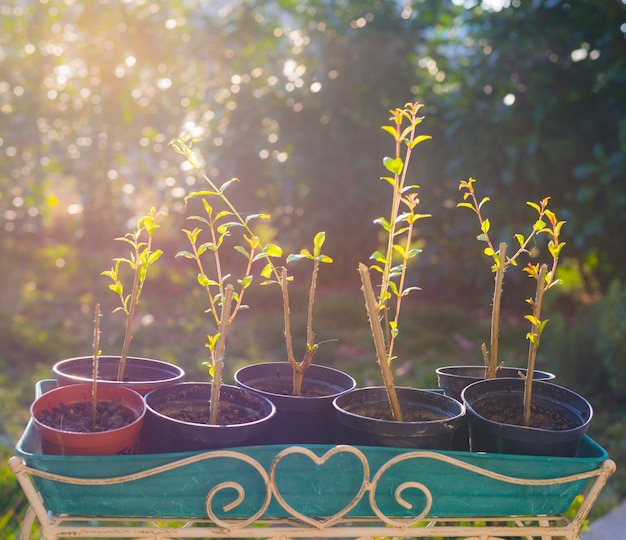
point(77, 417)
point(309, 389)
point(408, 414)
point(552, 418)
point(198, 413)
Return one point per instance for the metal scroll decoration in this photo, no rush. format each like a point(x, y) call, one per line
point(359, 476)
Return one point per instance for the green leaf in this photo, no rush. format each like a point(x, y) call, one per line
point(410, 289)
point(117, 287)
point(534, 205)
point(196, 218)
point(485, 226)
point(533, 320)
point(227, 184)
point(399, 250)
point(466, 205)
point(394, 328)
point(225, 227)
point(417, 140)
point(222, 214)
point(394, 165)
point(378, 257)
point(318, 242)
point(203, 280)
point(325, 259)
point(555, 251)
point(296, 257)
point(267, 271)
point(383, 223)
point(272, 250)
point(257, 216)
point(200, 194)
point(243, 251)
point(394, 288)
point(245, 282)
point(391, 130)
point(154, 256)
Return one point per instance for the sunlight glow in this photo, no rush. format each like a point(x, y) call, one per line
point(509, 99)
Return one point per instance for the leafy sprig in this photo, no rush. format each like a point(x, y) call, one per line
point(272, 272)
point(500, 260)
point(141, 258)
point(392, 263)
point(220, 291)
point(546, 279)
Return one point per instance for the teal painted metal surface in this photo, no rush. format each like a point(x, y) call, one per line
point(311, 489)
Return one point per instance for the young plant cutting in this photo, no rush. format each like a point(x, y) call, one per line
point(84, 419)
point(256, 251)
point(141, 258)
point(500, 262)
point(383, 309)
point(141, 374)
point(452, 379)
point(546, 279)
point(498, 407)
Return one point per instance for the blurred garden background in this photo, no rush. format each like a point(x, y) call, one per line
point(528, 97)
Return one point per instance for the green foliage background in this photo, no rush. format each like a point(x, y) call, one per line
point(289, 96)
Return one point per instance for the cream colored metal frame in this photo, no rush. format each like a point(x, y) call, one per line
point(56, 527)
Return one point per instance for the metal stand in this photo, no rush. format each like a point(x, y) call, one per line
point(298, 525)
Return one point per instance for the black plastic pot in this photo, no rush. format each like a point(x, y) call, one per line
point(306, 419)
point(162, 433)
point(364, 414)
point(453, 379)
point(488, 435)
point(141, 374)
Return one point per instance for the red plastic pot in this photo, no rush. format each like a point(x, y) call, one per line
point(119, 441)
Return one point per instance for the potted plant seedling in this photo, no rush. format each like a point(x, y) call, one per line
point(522, 415)
point(141, 374)
point(297, 375)
point(194, 416)
point(391, 416)
point(89, 419)
point(452, 379)
point(303, 392)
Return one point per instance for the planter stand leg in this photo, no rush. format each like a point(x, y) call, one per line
point(590, 494)
point(37, 509)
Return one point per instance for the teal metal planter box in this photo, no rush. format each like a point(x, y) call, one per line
point(311, 483)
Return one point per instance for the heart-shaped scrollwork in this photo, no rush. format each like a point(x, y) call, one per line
point(320, 461)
